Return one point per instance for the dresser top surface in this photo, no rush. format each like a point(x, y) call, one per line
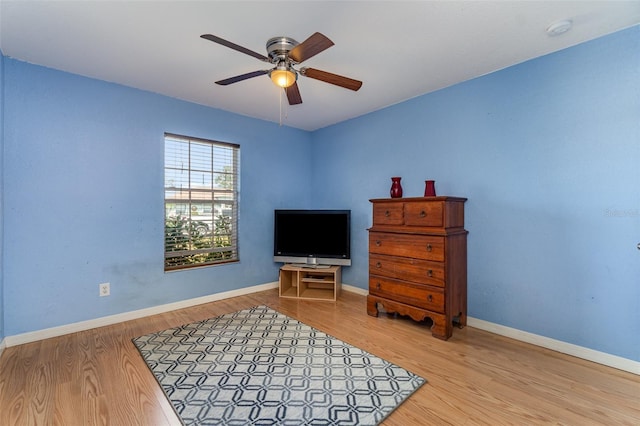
point(413, 199)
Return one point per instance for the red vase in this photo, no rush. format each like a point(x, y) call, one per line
point(429, 188)
point(396, 187)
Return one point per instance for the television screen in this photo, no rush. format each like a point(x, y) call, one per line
point(312, 237)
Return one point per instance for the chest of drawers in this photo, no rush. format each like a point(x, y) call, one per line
point(418, 260)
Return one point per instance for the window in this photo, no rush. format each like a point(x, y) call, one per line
point(200, 202)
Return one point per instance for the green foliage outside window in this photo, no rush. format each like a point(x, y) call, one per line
point(182, 234)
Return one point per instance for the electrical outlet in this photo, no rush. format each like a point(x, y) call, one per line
point(105, 289)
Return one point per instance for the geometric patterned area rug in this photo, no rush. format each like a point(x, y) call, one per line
point(260, 367)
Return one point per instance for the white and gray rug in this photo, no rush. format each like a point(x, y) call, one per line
point(260, 367)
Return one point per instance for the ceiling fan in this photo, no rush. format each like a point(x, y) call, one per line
point(285, 54)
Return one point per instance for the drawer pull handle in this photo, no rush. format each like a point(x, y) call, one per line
point(429, 248)
point(423, 213)
point(387, 213)
point(430, 298)
point(378, 243)
point(378, 265)
point(430, 273)
point(377, 286)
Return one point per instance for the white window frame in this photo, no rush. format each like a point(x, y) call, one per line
point(201, 190)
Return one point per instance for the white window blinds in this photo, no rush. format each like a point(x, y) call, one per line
point(200, 202)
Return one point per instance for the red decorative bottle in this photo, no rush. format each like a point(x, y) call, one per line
point(396, 187)
point(429, 188)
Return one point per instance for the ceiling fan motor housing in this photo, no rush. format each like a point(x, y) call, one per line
point(279, 47)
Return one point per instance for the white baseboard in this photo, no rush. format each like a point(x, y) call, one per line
point(545, 342)
point(558, 346)
point(354, 289)
point(47, 333)
point(523, 336)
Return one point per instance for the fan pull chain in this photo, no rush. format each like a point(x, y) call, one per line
point(286, 110)
point(281, 106)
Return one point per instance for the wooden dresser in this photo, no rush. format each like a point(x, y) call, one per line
point(418, 260)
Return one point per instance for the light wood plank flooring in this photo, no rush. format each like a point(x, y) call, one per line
point(97, 377)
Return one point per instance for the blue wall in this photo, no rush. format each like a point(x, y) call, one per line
point(84, 196)
point(548, 154)
point(1, 196)
point(546, 151)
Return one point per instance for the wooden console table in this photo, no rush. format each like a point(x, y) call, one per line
point(310, 283)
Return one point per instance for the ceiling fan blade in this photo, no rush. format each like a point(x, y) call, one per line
point(327, 77)
point(315, 44)
point(241, 77)
point(234, 46)
point(293, 94)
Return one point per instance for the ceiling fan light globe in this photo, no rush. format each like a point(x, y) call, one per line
point(283, 78)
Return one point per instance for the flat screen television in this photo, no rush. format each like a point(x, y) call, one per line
point(314, 238)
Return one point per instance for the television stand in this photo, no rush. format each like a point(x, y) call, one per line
point(313, 283)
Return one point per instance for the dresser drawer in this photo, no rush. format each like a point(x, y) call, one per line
point(388, 214)
point(408, 269)
point(423, 296)
point(424, 214)
point(426, 247)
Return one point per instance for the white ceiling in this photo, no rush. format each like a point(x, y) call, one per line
point(399, 49)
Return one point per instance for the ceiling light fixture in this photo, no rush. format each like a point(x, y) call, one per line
point(559, 27)
point(283, 75)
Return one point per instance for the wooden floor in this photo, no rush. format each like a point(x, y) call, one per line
point(97, 377)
